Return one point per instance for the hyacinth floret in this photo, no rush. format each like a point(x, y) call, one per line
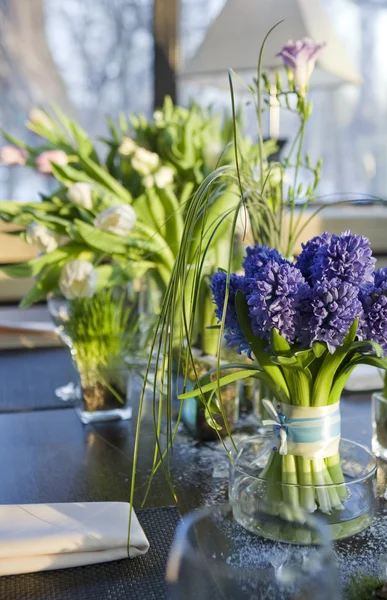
point(234, 335)
point(328, 311)
point(373, 324)
point(381, 278)
point(307, 259)
point(274, 300)
point(347, 257)
point(257, 257)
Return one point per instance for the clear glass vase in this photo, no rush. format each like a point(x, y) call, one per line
point(352, 503)
point(213, 558)
point(104, 395)
point(99, 333)
point(236, 398)
point(379, 425)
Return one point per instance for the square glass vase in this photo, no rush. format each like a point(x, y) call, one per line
point(103, 395)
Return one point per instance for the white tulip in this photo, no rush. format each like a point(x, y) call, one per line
point(116, 219)
point(81, 194)
point(45, 239)
point(148, 182)
point(127, 147)
point(164, 176)
point(212, 153)
point(144, 161)
point(78, 279)
point(158, 116)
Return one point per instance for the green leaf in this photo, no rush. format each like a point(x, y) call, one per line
point(68, 175)
point(100, 240)
point(286, 361)
point(47, 282)
point(319, 349)
point(209, 387)
point(9, 207)
point(99, 174)
point(33, 267)
point(351, 335)
point(367, 346)
point(257, 345)
point(20, 270)
point(306, 357)
point(278, 343)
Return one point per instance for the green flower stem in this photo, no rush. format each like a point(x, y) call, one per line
point(324, 379)
point(336, 472)
point(290, 492)
point(305, 478)
point(332, 491)
point(321, 492)
point(289, 249)
point(273, 474)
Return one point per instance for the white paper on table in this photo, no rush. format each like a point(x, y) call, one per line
point(39, 537)
point(364, 378)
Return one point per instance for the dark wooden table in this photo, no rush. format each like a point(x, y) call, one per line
point(49, 456)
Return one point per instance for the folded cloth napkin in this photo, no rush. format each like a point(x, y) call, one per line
point(39, 537)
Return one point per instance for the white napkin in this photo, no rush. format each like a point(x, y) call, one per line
point(364, 378)
point(39, 537)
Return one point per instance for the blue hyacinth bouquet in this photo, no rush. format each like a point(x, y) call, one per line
point(305, 325)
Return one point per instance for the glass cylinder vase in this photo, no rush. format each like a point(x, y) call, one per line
point(347, 507)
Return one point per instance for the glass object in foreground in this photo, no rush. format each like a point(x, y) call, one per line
point(214, 558)
point(379, 425)
point(249, 487)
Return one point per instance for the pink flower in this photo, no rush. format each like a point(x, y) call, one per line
point(13, 156)
point(44, 161)
point(39, 117)
point(300, 56)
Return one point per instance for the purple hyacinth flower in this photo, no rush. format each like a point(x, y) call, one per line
point(234, 335)
point(307, 259)
point(347, 257)
point(300, 56)
point(381, 278)
point(274, 300)
point(257, 257)
point(373, 324)
point(328, 311)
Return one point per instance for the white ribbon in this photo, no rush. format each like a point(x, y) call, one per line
point(308, 431)
point(276, 421)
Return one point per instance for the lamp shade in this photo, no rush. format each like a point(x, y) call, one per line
point(234, 39)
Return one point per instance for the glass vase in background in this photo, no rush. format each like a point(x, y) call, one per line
point(379, 425)
point(100, 333)
point(104, 394)
point(214, 558)
point(236, 397)
point(352, 502)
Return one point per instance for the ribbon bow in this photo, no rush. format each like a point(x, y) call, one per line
point(278, 422)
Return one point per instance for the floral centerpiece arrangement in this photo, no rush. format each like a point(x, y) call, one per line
point(272, 196)
point(116, 220)
point(306, 326)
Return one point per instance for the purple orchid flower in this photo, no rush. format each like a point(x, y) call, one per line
point(300, 56)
